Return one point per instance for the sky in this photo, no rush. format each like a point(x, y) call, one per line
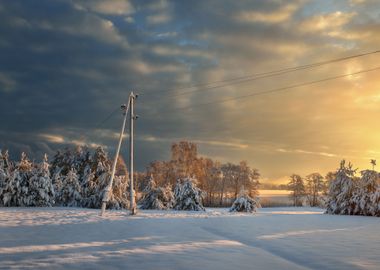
point(66, 65)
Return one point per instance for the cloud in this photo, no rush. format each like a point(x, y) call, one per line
point(230, 144)
point(158, 18)
point(282, 14)
point(73, 64)
point(109, 7)
point(328, 23)
point(357, 2)
point(95, 27)
point(7, 84)
point(301, 151)
point(59, 139)
point(53, 138)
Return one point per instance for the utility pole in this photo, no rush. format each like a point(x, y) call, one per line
point(132, 117)
point(125, 108)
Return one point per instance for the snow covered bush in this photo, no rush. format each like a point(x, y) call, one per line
point(244, 203)
point(187, 195)
point(160, 198)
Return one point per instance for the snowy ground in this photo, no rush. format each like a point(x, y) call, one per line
point(274, 238)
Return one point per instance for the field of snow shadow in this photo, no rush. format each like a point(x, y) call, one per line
point(273, 238)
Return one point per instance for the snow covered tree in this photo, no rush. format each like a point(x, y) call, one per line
point(244, 203)
point(342, 188)
point(119, 197)
point(4, 176)
point(41, 192)
point(187, 195)
point(62, 162)
point(296, 185)
point(16, 189)
point(91, 195)
point(362, 197)
point(100, 162)
point(57, 182)
point(374, 209)
point(71, 190)
point(96, 178)
point(160, 198)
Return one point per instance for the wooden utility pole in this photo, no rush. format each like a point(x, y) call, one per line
point(132, 117)
point(125, 108)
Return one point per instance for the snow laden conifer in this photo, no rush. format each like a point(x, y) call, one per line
point(16, 189)
point(57, 182)
point(160, 198)
point(41, 191)
point(187, 195)
point(341, 191)
point(363, 197)
point(119, 197)
point(244, 203)
point(4, 177)
point(90, 196)
point(71, 190)
point(374, 209)
point(95, 179)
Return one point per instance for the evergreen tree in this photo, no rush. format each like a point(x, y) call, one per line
point(187, 195)
point(342, 188)
point(57, 182)
point(23, 173)
point(41, 192)
point(119, 197)
point(160, 198)
point(4, 177)
point(374, 209)
point(90, 192)
point(362, 197)
point(71, 190)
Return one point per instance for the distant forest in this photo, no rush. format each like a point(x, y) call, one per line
point(78, 177)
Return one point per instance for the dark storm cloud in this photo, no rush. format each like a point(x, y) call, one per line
point(66, 64)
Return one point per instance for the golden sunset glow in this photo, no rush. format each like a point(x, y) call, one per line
point(160, 51)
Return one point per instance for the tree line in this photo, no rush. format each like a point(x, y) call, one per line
point(311, 189)
point(340, 192)
point(78, 177)
point(220, 182)
point(74, 177)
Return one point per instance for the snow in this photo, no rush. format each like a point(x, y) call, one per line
point(273, 238)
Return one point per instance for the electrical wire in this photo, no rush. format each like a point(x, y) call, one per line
point(274, 90)
point(257, 76)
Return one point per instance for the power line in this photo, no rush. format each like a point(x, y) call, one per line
point(275, 90)
point(99, 124)
point(257, 76)
point(106, 118)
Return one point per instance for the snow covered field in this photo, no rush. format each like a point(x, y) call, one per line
point(274, 238)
